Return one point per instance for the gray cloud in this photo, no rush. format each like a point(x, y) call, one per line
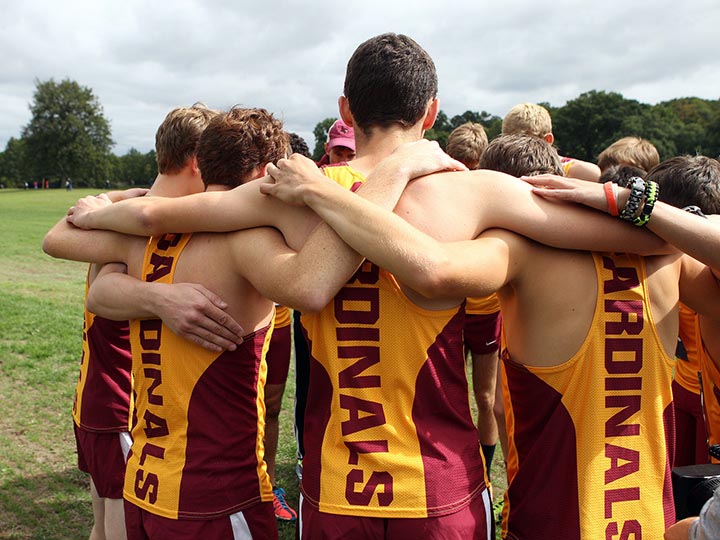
point(141, 59)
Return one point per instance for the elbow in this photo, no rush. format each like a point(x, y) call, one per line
point(90, 304)
point(149, 221)
point(50, 245)
point(312, 301)
point(437, 280)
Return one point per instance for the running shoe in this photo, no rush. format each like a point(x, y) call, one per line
point(283, 511)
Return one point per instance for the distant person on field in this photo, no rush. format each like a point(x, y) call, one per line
point(532, 119)
point(633, 151)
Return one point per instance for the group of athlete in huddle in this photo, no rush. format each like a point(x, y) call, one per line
point(395, 260)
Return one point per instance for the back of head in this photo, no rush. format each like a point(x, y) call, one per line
point(621, 174)
point(238, 141)
point(521, 155)
point(689, 181)
point(390, 79)
point(466, 143)
point(630, 151)
point(298, 145)
point(527, 119)
point(177, 137)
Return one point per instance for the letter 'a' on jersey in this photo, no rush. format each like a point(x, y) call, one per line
point(198, 433)
point(591, 439)
point(391, 434)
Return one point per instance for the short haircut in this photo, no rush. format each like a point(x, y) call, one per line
point(177, 137)
point(298, 145)
point(389, 80)
point(527, 119)
point(629, 151)
point(466, 143)
point(521, 155)
point(621, 174)
point(689, 181)
point(236, 142)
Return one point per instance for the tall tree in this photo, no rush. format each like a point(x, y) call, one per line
point(13, 163)
point(136, 168)
point(586, 125)
point(321, 132)
point(68, 134)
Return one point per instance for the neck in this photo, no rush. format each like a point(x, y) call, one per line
point(185, 182)
point(218, 187)
point(380, 143)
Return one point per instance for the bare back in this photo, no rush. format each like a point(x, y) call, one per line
point(549, 306)
point(208, 260)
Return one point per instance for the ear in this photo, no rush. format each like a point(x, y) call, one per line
point(259, 171)
point(431, 114)
point(549, 138)
point(325, 146)
point(345, 114)
point(193, 164)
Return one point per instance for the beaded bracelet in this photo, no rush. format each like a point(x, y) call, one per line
point(652, 191)
point(637, 190)
point(611, 196)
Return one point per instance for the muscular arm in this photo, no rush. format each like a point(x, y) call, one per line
point(217, 211)
point(510, 204)
point(421, 262)
point(698, 237)
point(309, 278)
point(188, 309)
point(64, 241)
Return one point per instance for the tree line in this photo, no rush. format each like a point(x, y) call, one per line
point(68, 136)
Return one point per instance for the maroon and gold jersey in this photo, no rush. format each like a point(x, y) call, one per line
point(591, 439)
point(198, 434)
point(686, 370)
point(391, 434)
point(102, 394)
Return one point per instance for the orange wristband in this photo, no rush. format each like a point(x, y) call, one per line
point(611, 200)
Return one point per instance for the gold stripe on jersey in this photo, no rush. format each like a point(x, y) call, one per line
point(686, 370)
point(482, 306)
point(710, 388)
point(282, 316)
point(88, 319)
point(616, 391)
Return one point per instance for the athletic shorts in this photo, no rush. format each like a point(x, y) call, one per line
point(257, 522)
point(278, 355)
point(103, 457)
point(472, 522)
point(482, 332)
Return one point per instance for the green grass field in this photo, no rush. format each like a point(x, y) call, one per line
point(42, 494)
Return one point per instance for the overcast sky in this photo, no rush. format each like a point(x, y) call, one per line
point(143, 58)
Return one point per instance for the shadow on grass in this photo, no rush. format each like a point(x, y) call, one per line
point(50, 506)
point(57, 506)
